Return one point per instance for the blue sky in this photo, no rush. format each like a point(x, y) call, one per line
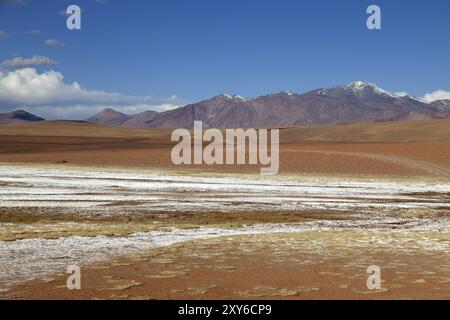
point(195, 49)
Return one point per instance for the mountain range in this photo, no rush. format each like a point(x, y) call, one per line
point(352, 103)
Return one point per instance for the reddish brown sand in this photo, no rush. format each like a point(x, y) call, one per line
point(85, 144)
point(327, 265)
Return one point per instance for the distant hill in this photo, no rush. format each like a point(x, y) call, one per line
point(109, 117)
point(140, 120)
point(112, 117)
point(18, 116)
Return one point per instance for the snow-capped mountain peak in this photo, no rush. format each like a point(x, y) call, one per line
point(225, 95)
point(238, 97)
point(360, 88)
point(231, 97)
point(359, 85)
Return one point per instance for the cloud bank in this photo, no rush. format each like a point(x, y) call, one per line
point(20, 62)
point(429, 97)
point(437, 95)
point(45, 94)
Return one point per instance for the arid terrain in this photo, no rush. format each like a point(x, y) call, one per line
point(404, 149)
point(110, 200)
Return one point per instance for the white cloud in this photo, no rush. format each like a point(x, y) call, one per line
point(54, 43)
point(46, 94)
point(429, 97)
point(2, 34)
point(436, 95)
point(20, 62)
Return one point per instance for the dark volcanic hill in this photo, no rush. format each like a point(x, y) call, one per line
point(18, 116)
point(355, 102)
point(109, 117)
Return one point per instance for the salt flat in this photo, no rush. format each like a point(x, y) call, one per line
point(95, 189)
point(374, 203)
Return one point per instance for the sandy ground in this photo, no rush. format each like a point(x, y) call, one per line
point(335, 159)
point(405, 150)
point(310, 265)
point(110, 200)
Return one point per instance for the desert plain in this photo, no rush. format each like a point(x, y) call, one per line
point(110, 200)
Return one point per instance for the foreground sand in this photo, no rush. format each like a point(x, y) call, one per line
point(310, 265)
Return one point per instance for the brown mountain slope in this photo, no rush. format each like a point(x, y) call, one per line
point(18, 116)
point(404, 131)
